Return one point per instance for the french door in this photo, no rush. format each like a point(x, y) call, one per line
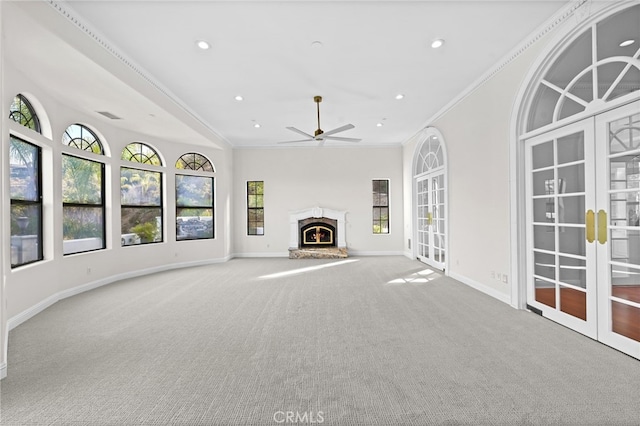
point(583, 233)
point(431, 227)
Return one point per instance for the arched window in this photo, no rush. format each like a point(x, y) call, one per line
point(194, 198)
point(430, 156)
point(79, 136)
point(22, 112)
point(601, 65)
point(194, 161)
point(141, 208)
point(141, 153)
point(83, 182)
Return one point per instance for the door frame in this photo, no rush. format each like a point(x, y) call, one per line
point(425, 134)
point(430, 177)
point(590, 326)
point(605, 332)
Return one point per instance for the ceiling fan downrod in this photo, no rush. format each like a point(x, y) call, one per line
point(317, 100)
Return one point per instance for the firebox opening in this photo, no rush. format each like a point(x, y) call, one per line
point(317, 235)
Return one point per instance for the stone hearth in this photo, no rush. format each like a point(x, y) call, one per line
point(318, 253)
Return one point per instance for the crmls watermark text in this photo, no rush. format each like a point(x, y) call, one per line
point(297, 417)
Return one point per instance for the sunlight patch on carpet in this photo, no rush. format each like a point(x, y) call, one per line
point(307, 269)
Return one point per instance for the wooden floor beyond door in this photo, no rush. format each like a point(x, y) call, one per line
point(626, 319)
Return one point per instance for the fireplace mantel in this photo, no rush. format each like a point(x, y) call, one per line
point(316, 212)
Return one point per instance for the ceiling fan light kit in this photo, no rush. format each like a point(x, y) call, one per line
point(319, 134)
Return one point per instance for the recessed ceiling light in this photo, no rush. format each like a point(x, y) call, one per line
point(316, 44)
point(379, 124)
point(256, 125)
point(239, 98)
point(399, 96)
point(437, 43)
point(202, 44)
point(627, 43)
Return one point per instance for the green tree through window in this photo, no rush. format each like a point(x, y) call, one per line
point(255, 207)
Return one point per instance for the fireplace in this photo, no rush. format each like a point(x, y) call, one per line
point(317, 232)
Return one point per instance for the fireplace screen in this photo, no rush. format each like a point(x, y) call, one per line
point(317, 235)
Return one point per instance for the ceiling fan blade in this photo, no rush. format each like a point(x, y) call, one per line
point(301, 140)
point(339, 129)
point(336, 138)
point(300, 132)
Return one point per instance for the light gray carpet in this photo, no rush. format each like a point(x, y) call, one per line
point(369, 341)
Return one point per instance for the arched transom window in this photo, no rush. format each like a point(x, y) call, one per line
point(601, 65)
point(79, 136)
point(22, 112)
point(138, 152)
point(194, 161)
point(430, 156)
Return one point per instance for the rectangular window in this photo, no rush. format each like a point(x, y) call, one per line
point(83, 218)
point(26, 202)
point(380, 206)
point(194, 207)
point(255, 207)
point(141, 206)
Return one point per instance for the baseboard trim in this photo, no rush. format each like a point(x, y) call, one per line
point(481, 288)
point(28, 313)
point(351, 253)
point(250, 255)
point(375, 253)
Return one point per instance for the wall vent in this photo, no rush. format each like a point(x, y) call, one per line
point(109, 115)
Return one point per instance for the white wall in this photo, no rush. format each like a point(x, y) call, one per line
point(476, 132)
point(298, 178)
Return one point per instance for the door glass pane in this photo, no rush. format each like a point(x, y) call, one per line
point(625, 320)
point(544, 237)
point(624, 134)
point(545, 292)
point(571, 179)
point(541, 208)
point(571, 209)
point(571, 148)
point(573, 271)
point(573, 302)
point(545, 265)
point(572, 240)
point(625, 283)
point(543, 183)
point(542, 155)
point(625, 246)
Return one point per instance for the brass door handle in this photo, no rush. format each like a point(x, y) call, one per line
point(602, 226)
point(591, 225)
point(429, 218)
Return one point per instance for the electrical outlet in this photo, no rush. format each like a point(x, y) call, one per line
point(505, 278)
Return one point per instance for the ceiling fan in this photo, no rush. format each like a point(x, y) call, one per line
point(319, 134)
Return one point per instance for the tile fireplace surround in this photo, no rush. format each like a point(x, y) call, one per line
point(297, 252)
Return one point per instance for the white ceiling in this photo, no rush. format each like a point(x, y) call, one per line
point(262, 50)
